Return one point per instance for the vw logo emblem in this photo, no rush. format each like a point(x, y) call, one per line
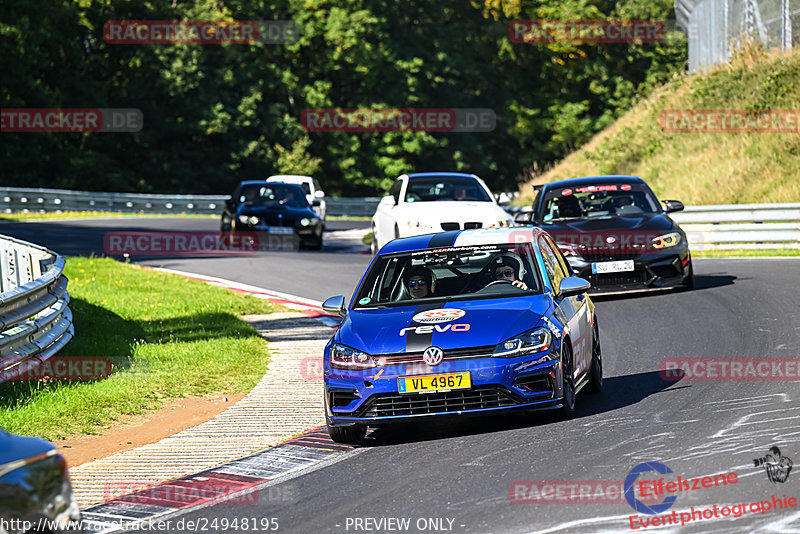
point(433, 355)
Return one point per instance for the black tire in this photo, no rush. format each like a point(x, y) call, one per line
point(396, 232)
point(347, 435)
point(688, 282)
point(596, 374)
point(568, 404)
point(316, 244)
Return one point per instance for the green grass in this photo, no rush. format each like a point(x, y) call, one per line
point(780, 252)
point(702, 168)
point(169, 337)
point(31, 216)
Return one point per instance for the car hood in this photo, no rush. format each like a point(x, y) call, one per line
point(13, 448)
point(653, 222)
point(277, 215)
point(491, 321)
point(444, 211)
point(598, 233)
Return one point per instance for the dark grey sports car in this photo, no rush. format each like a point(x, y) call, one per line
point(614, 233)
point(35, 490)
point(273, 211)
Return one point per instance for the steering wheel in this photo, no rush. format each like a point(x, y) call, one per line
point(495, 282)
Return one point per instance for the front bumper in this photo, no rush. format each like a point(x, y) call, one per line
point(498, 385)
point(652, 271)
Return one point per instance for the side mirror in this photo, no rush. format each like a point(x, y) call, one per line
point(572, 285)
point(388, 200)
point(316, 203)
point(335, 305)
point(523, 217)
point(319, 193)
point(673, 205)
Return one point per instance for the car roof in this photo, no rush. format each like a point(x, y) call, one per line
point(439, 175)
point(292, 177)
point(464, 238)
point(263, 182)
point(589, 180)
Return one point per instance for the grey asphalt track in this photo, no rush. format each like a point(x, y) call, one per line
point(312, 274)
point(463, 470)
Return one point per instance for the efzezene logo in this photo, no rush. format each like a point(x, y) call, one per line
point(441, 315)
point(430, 329)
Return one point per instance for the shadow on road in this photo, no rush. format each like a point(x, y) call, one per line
point(701, 282)
point(618, 392)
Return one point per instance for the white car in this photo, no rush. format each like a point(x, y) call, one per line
point(431, 202)
point(314, 193)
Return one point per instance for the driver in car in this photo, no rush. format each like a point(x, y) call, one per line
point(507, 268)
point(420, 281)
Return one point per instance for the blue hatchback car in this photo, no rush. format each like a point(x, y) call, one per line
point(465, 322)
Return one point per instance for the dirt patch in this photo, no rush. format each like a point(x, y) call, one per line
point(171, 418)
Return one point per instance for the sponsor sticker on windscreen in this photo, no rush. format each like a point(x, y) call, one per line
point(440, 315)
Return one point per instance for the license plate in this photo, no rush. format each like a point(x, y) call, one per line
point(612, 266)
point(280, 230)
point(434, 383)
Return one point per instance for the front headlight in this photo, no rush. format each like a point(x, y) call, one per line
point(666, 240)
point(305, 221)
point(529, 342)
point(248, 219)
point(344, 357)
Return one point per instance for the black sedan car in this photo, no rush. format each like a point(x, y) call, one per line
point(35, 490)
point(614, 233)
point(276, 212)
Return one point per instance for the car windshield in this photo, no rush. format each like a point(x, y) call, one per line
point(272, 195)
point(599, 200)
point(444, 188)
point(456, 273)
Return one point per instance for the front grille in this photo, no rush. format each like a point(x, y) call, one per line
point(610, 255)
point(428, 403)
point(471, 225)
point(666, 271)
point(639, 278)
point(536, 384)
point(399, 358)
point(340, 399)
point(449, 226)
